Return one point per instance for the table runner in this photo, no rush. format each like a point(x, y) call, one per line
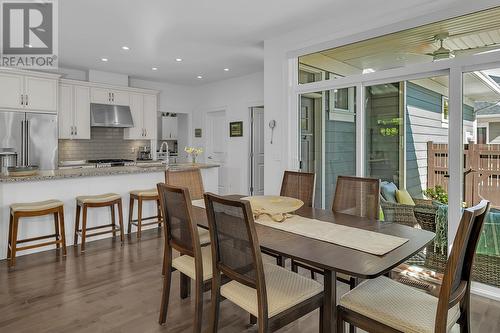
point(354, 238)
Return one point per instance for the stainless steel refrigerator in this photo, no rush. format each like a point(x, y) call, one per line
point(32, 135)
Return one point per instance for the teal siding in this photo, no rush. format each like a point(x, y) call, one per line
point(340, 154)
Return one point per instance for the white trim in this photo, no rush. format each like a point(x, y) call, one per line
point(485, 290)
point(360, 131)
point(455, 153)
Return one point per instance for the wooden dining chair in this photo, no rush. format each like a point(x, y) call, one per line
point(274, 295)
point(298, 185)
point(191, 179)
point(384, 305)
point(181, 234)
point(354, 196)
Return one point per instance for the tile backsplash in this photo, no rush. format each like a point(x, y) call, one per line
point(104, 142)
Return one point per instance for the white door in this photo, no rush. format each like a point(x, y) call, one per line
point(120, 97)
point(257, 152)
point(40, 94)
point(149, 116)
point(100, 96)
point(65, 115)
point(217, 145)
point(81, 104)
point(11, 89)
point(136, 107)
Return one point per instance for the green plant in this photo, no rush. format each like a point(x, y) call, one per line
point(437, 193)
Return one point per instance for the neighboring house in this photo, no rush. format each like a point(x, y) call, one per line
point(488, 122)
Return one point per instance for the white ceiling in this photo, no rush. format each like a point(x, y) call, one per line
point(208, 35)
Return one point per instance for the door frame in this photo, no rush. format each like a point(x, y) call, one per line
point(209, 135)
point(250, 145)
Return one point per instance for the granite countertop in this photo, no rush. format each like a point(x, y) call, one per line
point(97, 172)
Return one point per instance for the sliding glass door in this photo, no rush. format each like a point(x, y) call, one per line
point(328, 138)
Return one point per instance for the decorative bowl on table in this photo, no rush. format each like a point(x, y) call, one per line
point(23, 171)
point(276, 207)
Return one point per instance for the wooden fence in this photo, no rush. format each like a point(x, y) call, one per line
point(481, 171)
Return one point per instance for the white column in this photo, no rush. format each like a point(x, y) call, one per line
point(360, 130)
point(455, 153)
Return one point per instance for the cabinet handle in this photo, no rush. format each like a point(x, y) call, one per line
point(76, 130)
point(145, 132)
point(109, 97)
point(22, 99)
point(71, 130)
point(113, 94)
point(26, 100)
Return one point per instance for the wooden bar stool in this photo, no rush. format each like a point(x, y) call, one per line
point(34, 209)
point(95, 201)
point(140, 196)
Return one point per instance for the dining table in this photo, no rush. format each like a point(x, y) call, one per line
point(332, 258)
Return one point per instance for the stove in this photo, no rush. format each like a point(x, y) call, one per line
point(106, 163)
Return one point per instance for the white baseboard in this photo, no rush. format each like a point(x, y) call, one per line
point(485, 290)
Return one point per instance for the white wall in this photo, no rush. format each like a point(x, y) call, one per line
point(235, 96)
point(363, 20)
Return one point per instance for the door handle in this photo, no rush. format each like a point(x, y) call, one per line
point(22, 142)
point(27, 123)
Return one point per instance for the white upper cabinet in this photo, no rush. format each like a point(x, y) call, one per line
point(28, 93)
point(150, 116)
point(74, 112)
point(144, 109)
point(12, 91)
point(40, 94)
point(110, 96)
point(169, 128)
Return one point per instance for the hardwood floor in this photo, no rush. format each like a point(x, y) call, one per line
point(113, 288)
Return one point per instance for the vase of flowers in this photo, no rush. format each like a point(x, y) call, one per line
point(193, 153)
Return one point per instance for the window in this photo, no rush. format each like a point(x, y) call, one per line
point(481, 135)
point(444, 111)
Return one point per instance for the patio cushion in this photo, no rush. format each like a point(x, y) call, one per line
point(396, 305)
point(284, 290)
point(388, 191)
point(404, 197)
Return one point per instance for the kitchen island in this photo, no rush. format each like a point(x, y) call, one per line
point(67, 184)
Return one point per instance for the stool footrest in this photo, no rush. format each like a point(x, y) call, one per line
point(26, 240)
point(102, 226)
point(114, 228)
point(38, 245)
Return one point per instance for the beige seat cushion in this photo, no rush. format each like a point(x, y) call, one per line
point(284, 290)
point(152, 192)
point(100, 198)
point(185, 264)
point(396, 305)
point(35, 206)
point(204, 235)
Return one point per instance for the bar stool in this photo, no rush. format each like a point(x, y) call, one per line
point(140, 196)
point(95, 201)
point(33, 209)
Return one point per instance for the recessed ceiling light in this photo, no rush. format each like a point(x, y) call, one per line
point(126, 48)
point(226, 69)
point(104, 59)
point(178, 59)
point(199, 77)
point(154, 68)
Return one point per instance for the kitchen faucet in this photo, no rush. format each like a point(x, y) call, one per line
point(166, 156)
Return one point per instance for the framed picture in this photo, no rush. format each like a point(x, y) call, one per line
point(197, 132)
point(236, 128)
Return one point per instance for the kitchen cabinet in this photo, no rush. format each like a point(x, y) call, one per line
point(110, 96)
point(74, 112)
point(28, 93)
point(169, 128)
point(144, 109)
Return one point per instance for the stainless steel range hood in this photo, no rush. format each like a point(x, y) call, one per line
point(104, 115)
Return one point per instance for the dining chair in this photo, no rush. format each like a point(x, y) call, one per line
point(181, 234)
point(384, 305)
point(272, 294)
point(353, 196)
point(298, 185)
point(191, 179)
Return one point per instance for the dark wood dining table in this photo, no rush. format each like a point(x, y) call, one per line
point(332, 258)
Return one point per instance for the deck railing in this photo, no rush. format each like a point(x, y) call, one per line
point(481, 171)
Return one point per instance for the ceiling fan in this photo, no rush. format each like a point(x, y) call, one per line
point(443, 53)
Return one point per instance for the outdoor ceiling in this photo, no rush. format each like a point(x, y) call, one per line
point(470, 34)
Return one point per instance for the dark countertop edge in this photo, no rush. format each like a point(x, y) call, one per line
point(98, 172)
